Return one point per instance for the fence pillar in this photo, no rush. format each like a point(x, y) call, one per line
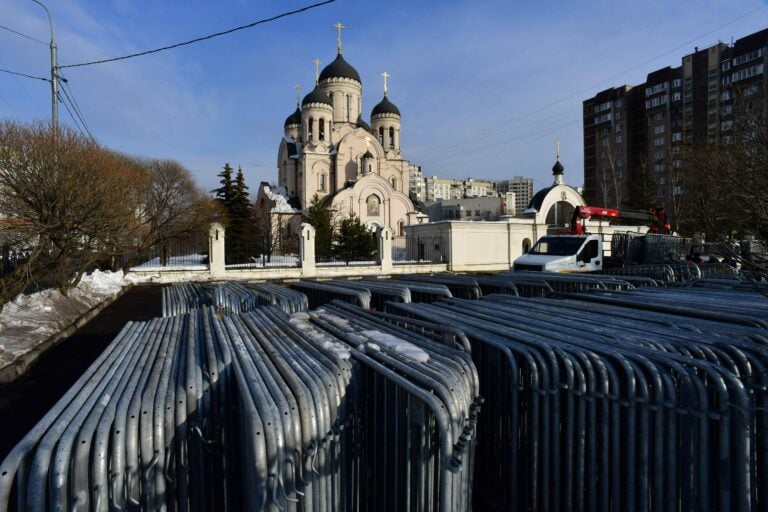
point(216, 262)
point(307, 250)
point(384, 238)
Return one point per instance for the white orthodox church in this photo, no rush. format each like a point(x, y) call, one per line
point(329, 150)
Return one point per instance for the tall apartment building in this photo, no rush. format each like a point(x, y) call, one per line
point(522, 188)
point(416, 186)
point(629, 129)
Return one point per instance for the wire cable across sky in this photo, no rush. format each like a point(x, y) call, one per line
point(204, 38)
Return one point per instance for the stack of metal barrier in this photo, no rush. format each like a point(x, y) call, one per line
point(257, 411)
point(569, 282)
point(666, 273)
point(421, 292)
point(182, 298)
point(462, 286)
point(600, 407)
point(320, 293)
point(231, 297)
point(381, 291)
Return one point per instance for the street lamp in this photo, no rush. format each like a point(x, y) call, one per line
point(54, 79)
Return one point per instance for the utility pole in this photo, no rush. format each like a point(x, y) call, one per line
point(54, 76)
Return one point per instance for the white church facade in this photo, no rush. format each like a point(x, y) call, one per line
point(330, 151)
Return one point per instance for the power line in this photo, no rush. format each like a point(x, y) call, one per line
point(77, 124)
point(23, 35)
point(204, 38)
point(26, 76)
point(482, 133)
point(77, 112)
point(71, 96)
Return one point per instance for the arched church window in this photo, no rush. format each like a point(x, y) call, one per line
point(348, 108)
point(310, 124)
point(381, 135)
point(374, 205)
point(321, 129)
point(321, 183)
point(391, 137)
point(400, 230)
point(393, 182)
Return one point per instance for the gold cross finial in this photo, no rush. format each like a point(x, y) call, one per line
point(385, 75)
point(298, 94)
point(339, 26)
point(557, 143)
point(317, 70)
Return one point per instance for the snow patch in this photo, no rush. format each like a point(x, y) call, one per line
point(280, 196)
point(406, 348)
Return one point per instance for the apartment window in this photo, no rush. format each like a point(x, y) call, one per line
point(749, 91)
point(741, 59)
point(725, 96)
point(725, 66)
point(727, 110)
point(658, 116)
point(659, 129)
point(658, 167)
point(677, 83)
point(602, 107)
point(659, 155)
point(677, 137)
point(656, 88)
point(603, 118)
point(618, 139)
point(747, 73)
point(658, 141)
point(726, 125)
point(662, 180)
point(676, 96)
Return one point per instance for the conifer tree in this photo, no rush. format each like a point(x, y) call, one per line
point(225, 192)
point(320, 218)
point(354, 241)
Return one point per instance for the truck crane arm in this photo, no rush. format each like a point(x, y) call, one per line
point(657, 217)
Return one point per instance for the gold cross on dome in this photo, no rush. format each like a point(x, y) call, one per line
point(385, 75)
point(557, 143)
point(317, 70)
point(298, 93)
point(339, 26)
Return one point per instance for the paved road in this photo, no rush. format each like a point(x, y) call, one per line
point(24, 401)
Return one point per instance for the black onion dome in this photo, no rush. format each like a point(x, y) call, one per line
point(339, 68)
point(558, 168)
point(316, 96)
point(294, 118)
point(385, 107)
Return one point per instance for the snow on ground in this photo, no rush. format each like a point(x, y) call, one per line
point(29, 320)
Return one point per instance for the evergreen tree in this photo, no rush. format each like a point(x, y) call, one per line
point(320, 218)
point(226, 191)
point(353, 241)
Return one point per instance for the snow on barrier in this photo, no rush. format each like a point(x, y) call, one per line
point(256, 411)
point(631, 405)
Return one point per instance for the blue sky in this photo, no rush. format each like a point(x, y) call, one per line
point(484, 87)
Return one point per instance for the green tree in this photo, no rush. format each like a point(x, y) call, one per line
point(353, 241)
point(320, 219)
point(226, 192)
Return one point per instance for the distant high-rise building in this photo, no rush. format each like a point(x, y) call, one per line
point(642, 129)
point(522, 188)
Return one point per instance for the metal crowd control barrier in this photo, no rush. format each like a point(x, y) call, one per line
point(422, 292)
point(319, 293)
point(230, 297)
point(461, 286)
point(595, 407)
point(569, 282)
point(381, 291)
point(258, 411)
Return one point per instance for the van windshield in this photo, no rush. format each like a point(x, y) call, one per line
point(558, 245)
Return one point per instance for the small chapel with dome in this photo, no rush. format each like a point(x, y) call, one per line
point(329, 150)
